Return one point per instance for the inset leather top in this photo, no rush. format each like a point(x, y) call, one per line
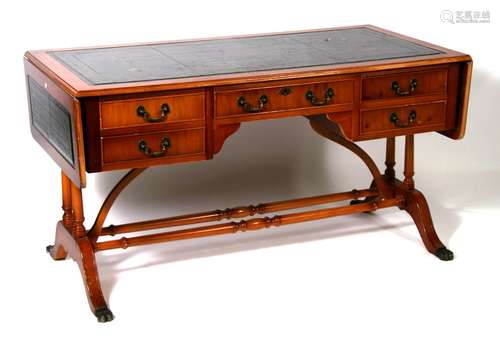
point(112, 65)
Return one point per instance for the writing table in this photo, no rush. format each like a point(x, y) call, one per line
point(136, 106)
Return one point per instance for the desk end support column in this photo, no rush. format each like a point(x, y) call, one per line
point(71, 239)
point(388, 186)
point(416, 205)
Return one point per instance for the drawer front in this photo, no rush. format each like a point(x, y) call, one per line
point(274, 98)
point(152, 110)
point(405, 84)
point(153, 146)
point(402, 120)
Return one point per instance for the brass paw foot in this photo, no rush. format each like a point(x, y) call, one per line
point(56, 252)
point(103, 315)
point(444, 254)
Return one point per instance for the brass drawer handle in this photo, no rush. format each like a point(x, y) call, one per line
point(314, 100)
point(242, 102)
point(397, 89)
point(164, 110)
point(164, 145)
point(412, 117)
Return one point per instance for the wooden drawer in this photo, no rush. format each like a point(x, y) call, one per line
point(405, 84)
point(277, 97)
point(148, 147)
point(152, 110)
point(395, 121)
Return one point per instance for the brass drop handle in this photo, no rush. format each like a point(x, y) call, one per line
point(411, 88)
point(412, 117)
point(164, 145)
point(242, 102)
point(314, 100)
point(164, 110)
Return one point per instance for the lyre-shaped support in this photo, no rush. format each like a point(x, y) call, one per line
point(388, 186)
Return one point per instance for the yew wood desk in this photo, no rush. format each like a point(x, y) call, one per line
point(136, 106)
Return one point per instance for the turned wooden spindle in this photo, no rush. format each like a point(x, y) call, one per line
point(67, 217)
point(409, 160)
point(248, 225)
point(236, 212)
point(78, 229)
point(240, 212)
point(256, 224)
point(390, 160)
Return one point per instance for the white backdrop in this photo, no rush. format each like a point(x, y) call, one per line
point(357, 275)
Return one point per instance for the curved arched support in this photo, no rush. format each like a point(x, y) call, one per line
point(96, 229)
point(329, 129)
point(221, 133)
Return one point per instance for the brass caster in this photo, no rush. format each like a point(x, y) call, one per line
point(103, 315)
point(444, 254)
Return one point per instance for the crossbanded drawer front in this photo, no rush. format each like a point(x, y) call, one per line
point(403, 120)
point(275, 98)
point(405, 84)
point(152, 110)
point(153, 146)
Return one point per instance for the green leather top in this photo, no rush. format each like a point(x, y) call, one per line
point(112, 65)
